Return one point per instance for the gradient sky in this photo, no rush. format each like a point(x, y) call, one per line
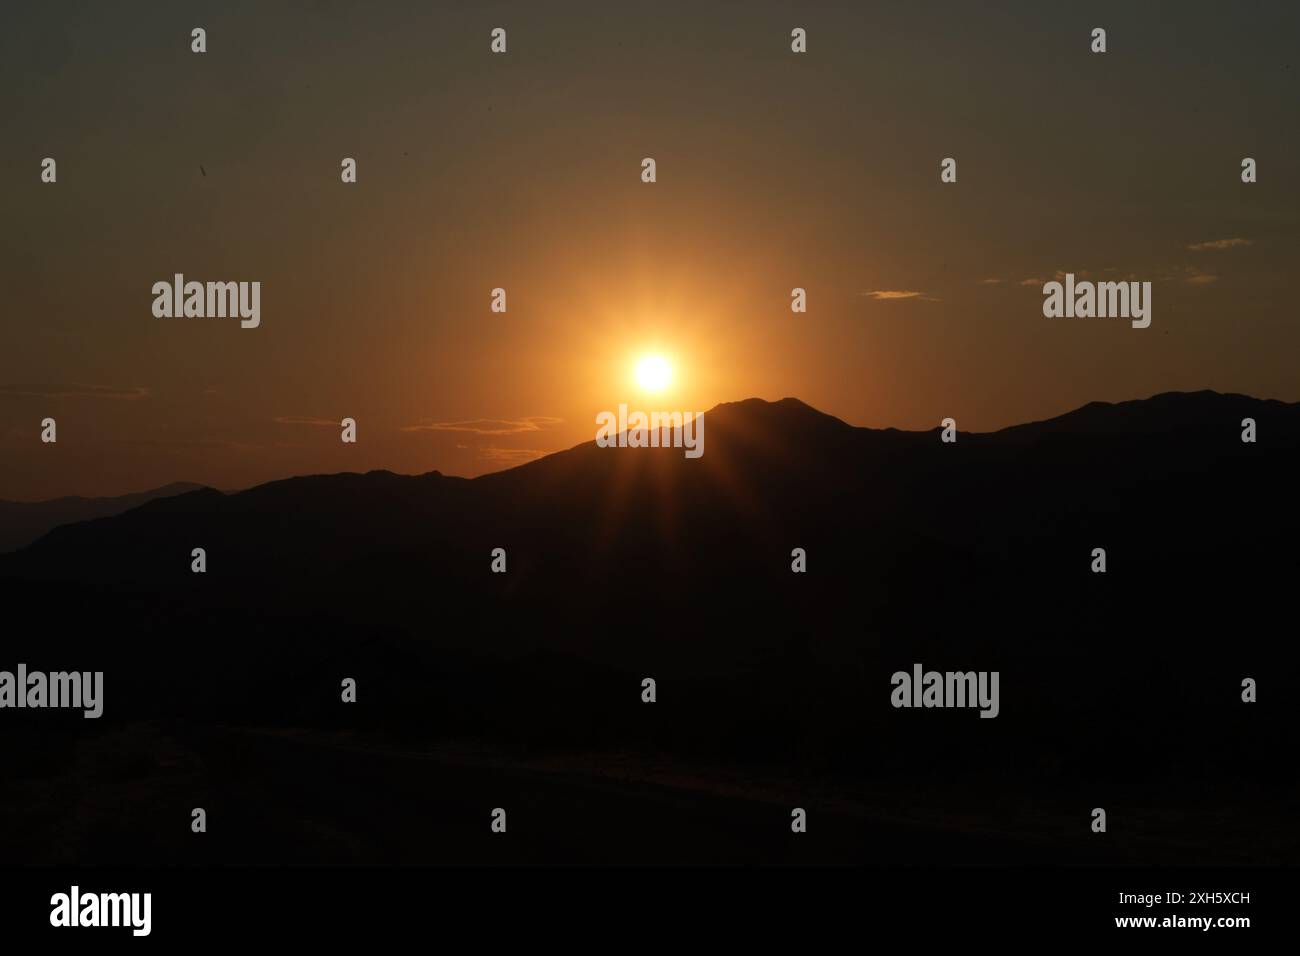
point(775, 170)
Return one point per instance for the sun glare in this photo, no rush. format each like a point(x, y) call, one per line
point(653, 373)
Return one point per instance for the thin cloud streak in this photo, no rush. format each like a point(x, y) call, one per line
point(489, 426)
point(514, 456)
point(313, 422)
point(74, 390)
point(894, 295)
point(1219, 244)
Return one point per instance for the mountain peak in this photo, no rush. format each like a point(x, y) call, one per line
point(785, 412)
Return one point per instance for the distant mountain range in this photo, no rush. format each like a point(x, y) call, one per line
point(627, 563)
point(916, 535)
point(754, 434)
point(22, 522)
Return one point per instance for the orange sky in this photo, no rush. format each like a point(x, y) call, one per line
point(522, 171)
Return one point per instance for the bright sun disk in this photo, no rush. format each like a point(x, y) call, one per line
point(653, 373)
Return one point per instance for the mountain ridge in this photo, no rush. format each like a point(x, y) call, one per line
point(787, 441)
point(771, 587)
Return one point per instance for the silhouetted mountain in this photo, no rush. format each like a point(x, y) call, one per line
point(1167, 412)
point(22, 522)
point(626, 563)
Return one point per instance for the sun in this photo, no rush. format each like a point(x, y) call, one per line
point(653, 373)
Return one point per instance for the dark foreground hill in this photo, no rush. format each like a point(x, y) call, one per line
point(628, 563)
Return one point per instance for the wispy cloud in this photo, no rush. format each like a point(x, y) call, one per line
point(73, 391)
point(893, 295)
point(489, 426)
point(313, 422)
point(183, 443)
point(1217, 244)
point(513, 456)
point(990, 281)
point(1059, 276)
point(1188, 274)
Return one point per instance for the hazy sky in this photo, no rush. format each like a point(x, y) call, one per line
point(523, 171)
